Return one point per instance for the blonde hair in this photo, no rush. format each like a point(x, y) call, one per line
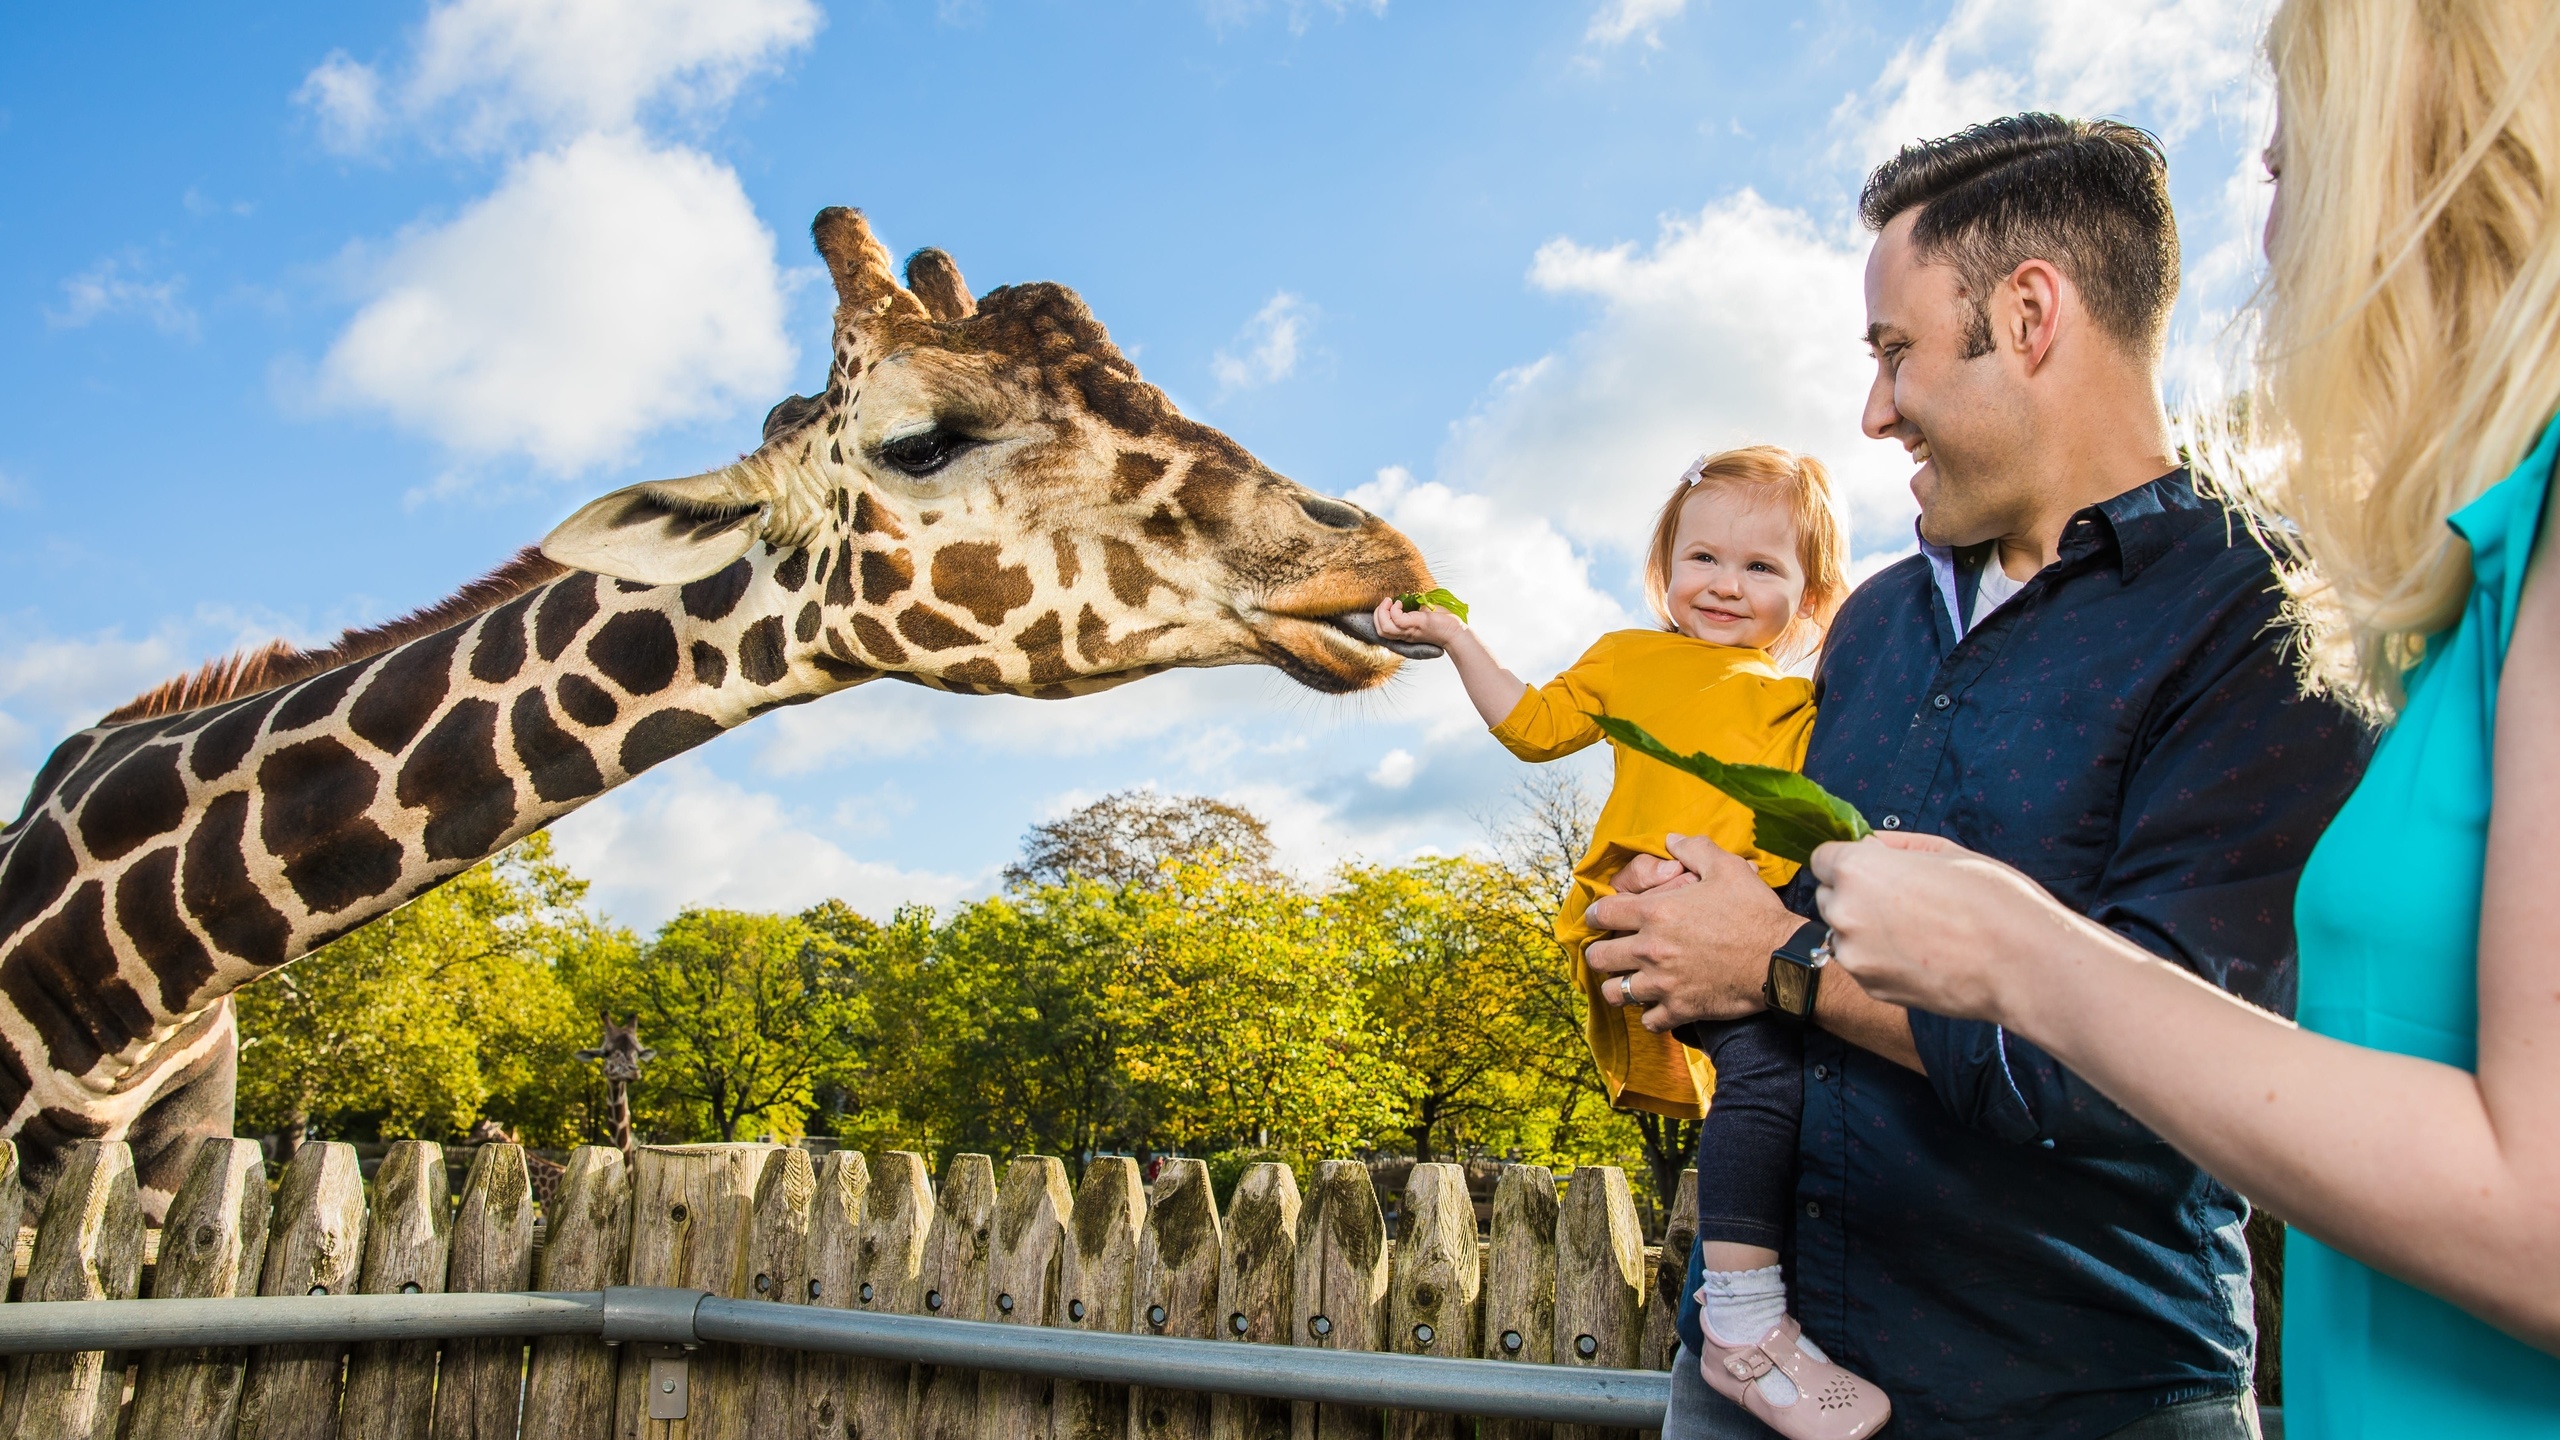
point(1822, 533)
point(2409, 349)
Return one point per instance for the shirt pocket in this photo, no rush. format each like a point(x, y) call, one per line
point(2041, 785)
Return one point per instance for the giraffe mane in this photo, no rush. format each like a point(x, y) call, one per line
point(265, 667)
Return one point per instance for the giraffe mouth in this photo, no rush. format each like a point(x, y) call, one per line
point(1362, 625)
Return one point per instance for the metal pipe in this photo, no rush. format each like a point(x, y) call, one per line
point(1632, 1399)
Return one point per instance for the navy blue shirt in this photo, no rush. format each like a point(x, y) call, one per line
point(1999, 1246)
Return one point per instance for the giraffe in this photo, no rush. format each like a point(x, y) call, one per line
point(986, 498)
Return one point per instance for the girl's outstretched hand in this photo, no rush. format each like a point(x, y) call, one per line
point(1924, 923)
point(1437, 626)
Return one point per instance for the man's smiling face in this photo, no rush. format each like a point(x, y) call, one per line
point(1960, 415)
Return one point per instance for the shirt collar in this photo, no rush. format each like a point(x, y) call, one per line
point(2143, 521)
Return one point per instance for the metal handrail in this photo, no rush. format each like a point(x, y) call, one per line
point(1569, 1394)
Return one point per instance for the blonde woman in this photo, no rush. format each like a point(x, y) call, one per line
point(2410, 1127)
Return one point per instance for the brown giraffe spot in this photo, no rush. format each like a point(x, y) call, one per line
point(713, 596)
point(101, 762)
point(876, 639)
point(978, 672)
point(835, 451)
point(222, 745)
point(885, 573)
point(147, 913)
point(140, 800)
point(932, 630)
point(500, 651)
point(805, 629)
point(312, 802)
point(637, 651)
point(317, 698)
point(843, 671)
point(585, 701)
point(642, 587)
point(1207, 494)
point(662, 735)
point(1069, 567)
point(33, 871)
point(566, 608)
point(1131, 580)
point(1094, 642)
point(61, 762)
point(1044, 643)
point(793, 572)
point(974, 577)
point(1132, 472)
point(840, 579)
point(710, 667)
point(760, 653)
point(453, 775)
point(407, 689)
point(63, 980)
point(214, 883)
point(871, 518)
point(1163, 528)
point(839, 495)
point(824, 556)
point(560, 767)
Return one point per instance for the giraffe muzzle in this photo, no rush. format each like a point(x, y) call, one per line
point(1362, 626)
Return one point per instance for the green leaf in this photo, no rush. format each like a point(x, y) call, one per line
point(1790, 814)
point(1438, 599)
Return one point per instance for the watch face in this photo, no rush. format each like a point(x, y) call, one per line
point(1788, 980)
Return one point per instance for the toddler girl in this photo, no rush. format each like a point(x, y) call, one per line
point(1744, 572)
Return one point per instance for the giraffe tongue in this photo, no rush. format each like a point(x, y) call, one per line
point(1362, 626)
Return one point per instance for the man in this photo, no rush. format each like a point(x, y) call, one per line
point(2079, 674)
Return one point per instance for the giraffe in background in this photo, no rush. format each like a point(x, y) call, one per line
point(985, 498)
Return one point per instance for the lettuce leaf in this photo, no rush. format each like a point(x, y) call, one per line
point(1438, 599)
point(1790, 814)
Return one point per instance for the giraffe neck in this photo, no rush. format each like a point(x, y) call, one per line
point(164, 863)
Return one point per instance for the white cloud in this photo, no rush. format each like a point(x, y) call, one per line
point(605, 289)
point(1269, 343)
point(1617, 21)
point(15, 494)
point(1230, 14)
point(1394, 770)
point(682, 835)
point(51, 687)
point(345, 101)
point(121, 285)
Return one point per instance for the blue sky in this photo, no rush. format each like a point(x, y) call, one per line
point(309, 315)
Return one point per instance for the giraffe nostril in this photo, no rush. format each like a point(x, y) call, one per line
point(1333, 514)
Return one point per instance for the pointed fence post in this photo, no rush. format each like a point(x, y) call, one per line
point(1432, 1304)
point(88, 1247)
point(1022, 1279)
point(1670, 1277)
point(1177, 1292)
point(1256, 1279)
point(824, 1387)
point(692, 1209)
point(955, 1288)
point(315, 1247)
point(391, 1383)
point(1520, 1283)
point(569, 1384)
point(1097, 1283)
point(889, 1265)
point(1600, 1279)
point(211, 1247)
point(480, 1386)
point(1339, 1299)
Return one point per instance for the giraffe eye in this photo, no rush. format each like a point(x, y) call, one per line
point(924, 452)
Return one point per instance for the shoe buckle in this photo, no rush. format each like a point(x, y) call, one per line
point(1748, 1365)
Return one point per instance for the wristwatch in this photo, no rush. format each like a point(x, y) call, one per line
point(1795, 971)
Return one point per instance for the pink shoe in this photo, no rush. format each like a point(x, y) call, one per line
point(1830, 1403)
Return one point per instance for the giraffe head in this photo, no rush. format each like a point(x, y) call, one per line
point(997, 502)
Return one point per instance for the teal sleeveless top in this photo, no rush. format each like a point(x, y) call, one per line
point(2388, 916)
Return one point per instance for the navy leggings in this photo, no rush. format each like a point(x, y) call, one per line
point(1747, 1145)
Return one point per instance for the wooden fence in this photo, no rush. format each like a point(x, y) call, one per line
point(1564, 1278)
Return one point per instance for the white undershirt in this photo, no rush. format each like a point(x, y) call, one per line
point(1994, 589)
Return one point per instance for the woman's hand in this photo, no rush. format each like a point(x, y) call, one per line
point(1924, 923)
point(1437, 626)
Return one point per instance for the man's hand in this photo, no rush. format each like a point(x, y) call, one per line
point(1691, 950)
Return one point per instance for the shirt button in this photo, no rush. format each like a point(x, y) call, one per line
point(1813, 1209)
point(1942, 702)
point(1821, 1072)
point(1890, 822)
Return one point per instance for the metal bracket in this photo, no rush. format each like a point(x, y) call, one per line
point(658, 1323)
point(670, 1380)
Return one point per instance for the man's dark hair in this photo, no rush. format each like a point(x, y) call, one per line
point(2091, 196)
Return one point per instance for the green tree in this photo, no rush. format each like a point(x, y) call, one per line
point(1128, 838)
point(748, 1013)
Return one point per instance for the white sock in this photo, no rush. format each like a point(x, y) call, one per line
point(1743, 1305)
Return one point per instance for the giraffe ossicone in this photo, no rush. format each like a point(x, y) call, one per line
point(985, 498)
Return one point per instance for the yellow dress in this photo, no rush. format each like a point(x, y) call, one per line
point(1691, 695)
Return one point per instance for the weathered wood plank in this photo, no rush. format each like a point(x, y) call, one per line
point(212, 1246)
point(1022, 1278)
point(314, 1247)
point(586, 1245)
point(1600, 1280)
point(829, 1266)
point(1520, 1283)
point(777, 1246)
point(1432, 1305)
point(1097, 1283)
point(1670, 1275)
point(88, 1247)
point(1177, 1292)
point(692, 1210)
point(391, 1383)
point(1256, 1279)
point(13, 1205)
point(481, 1382)
point(955, 1288)
point(1339, 1293)
point(889, 1265)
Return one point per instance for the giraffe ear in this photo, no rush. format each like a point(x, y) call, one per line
point(663, 532)
point(867, 291)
